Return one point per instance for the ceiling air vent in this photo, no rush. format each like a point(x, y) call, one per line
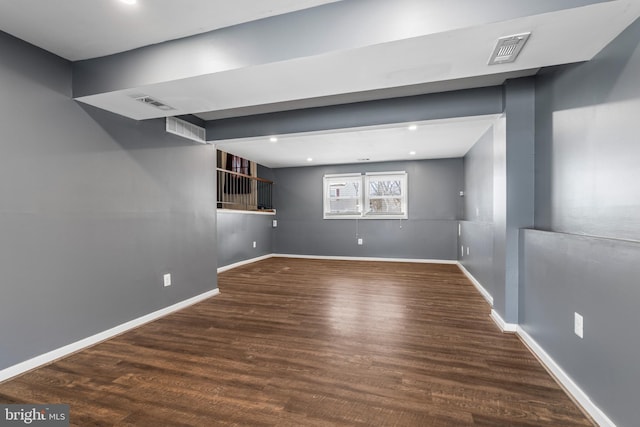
point(153, 102)
point(186, 130)
point(508, 48)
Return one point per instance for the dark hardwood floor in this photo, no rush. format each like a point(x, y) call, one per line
point(292, 342)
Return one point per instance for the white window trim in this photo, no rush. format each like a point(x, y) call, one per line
point(325, 197)
point(364, 196)
point(403, 179)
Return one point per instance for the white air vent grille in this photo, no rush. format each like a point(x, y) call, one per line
point(186, 130)
point(508, 48)
point(153, 102)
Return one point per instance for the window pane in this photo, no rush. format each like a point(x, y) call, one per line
point(387, 205)
point(344, 196)
point(385, 188)
point(344, 189)
point(385, 195)
point(344, 206)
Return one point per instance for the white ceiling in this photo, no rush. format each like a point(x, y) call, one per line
point(82, 29)
point(432, 139)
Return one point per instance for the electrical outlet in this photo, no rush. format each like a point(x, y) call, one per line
point(360, 242)
point(254, 245)
point(275, 223)
point(578, 325)
point(167, 280)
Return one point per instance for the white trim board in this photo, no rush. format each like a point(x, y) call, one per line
point(350, 258)
point(61, 352)
point(570, 386)
point(504, 326)
point(241, 263)
point(241, 212)
point(487, 296)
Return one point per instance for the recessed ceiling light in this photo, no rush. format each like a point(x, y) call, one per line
point(309, 159)
point(273, 139)
point(413, 127)
point(129, 2)
point(412, 153)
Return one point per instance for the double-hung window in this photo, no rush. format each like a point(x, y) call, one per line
point(386, 195)
point(378, 195)
point(343, 196)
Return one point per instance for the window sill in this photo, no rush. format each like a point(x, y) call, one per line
point(366, 217)
point(240, 211)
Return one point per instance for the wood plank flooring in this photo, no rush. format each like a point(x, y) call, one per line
point(293, 342)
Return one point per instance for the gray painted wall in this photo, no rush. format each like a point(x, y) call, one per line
point(236, 233)
point(597, 278)
point(470, 102)
point(478, 180)
point(587, 145)
point(477, 227)
point(430, 232)
point(519, 179)
point(94, 209)
point(587, 172)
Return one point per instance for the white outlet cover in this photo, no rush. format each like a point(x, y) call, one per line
point(360, 242)
point(578, 325)
point(167, 280)
point(275, 223)
point(254, 244)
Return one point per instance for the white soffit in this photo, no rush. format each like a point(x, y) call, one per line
point(449, 56)
point(431, 139)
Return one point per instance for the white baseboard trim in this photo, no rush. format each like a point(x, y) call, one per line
point(241, 263)
point(353, 258)
point(487, 296)
point(571, 387)
point(504, 326)
point(61, 352)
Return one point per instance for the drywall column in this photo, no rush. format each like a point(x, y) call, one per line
point(514, 196)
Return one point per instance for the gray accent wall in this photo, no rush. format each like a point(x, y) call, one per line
point(587, 144)
point(499, 198)
point(597, 278)
point(587, 178)
point(236, 233)
point(477, 228)
point(94, 209)
point(462, 103)
point(430, 232)
point(515, 178)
